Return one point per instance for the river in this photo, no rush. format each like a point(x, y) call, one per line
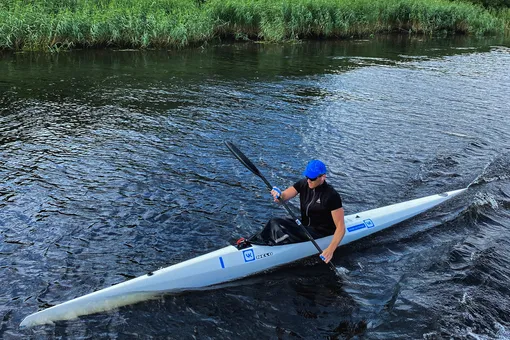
point(112, 164)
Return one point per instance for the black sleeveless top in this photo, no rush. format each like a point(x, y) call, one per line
point(317, 205)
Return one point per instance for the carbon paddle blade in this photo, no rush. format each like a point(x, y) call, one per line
point(246, 162)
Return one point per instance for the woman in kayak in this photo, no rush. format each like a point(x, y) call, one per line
point(322, 213)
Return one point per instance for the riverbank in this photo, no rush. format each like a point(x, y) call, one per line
point(65, 24)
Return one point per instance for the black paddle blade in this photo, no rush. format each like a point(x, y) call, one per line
point(246, 162)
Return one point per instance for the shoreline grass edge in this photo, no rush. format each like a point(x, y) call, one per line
point(53, 25)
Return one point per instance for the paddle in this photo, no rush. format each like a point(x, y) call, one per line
point(247, 163)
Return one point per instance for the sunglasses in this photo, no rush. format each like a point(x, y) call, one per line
point(312, 179)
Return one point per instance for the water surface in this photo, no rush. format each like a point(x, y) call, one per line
point(112, 164)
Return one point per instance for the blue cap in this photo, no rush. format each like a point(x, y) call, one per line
point(314, 168)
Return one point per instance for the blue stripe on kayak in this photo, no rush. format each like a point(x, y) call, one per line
point(356, 227)
point(221, 262)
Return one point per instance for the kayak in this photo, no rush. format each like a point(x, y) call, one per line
point(229, 263)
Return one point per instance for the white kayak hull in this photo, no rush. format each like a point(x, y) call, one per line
point(229, 264)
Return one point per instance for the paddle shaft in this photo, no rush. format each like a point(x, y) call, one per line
point(247, 163)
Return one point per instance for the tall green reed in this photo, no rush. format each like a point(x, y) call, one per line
point(57, 24)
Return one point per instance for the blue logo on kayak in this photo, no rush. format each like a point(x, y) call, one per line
point(356, 227)
point(249, 255)
point(369, 223)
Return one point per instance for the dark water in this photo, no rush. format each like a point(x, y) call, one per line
point(112, 164)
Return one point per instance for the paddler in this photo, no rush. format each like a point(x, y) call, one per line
point(322, 213)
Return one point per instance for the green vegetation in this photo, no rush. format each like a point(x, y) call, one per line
point(64, 24)
point(504, 16)
point(54, 24)
point(492, 3)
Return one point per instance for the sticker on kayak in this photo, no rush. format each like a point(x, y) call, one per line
point(368, 223)
point(261, 256)
point(249, 255)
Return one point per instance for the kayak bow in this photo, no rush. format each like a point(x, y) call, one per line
point(229, 263)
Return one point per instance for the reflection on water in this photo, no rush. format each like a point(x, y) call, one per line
point(112, 164)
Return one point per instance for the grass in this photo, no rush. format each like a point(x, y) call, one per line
point(64, 24)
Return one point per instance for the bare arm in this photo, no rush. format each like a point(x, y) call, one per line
point(338, 218)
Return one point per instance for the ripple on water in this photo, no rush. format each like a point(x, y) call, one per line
point(113, 165)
